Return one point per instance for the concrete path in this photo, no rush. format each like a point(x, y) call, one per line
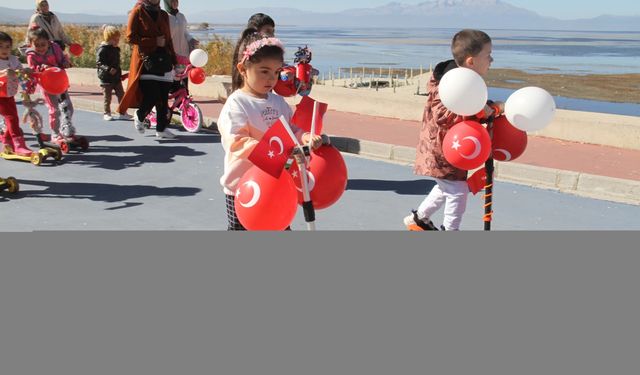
point(128, 181)
point(588, 170)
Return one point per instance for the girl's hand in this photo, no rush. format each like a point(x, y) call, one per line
point(314, 141)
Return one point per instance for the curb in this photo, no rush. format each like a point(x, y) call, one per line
point(576, 183)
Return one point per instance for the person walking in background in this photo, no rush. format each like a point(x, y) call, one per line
point(151, 71)
point(471, 49)
point(261, 22)
point(183, 42)
point(49, 22)
point(109, 71)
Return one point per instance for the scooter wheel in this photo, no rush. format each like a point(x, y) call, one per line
point(57, 155)
point(64, 146)
point(36, 158)
point(84, 144)
point(12, 185)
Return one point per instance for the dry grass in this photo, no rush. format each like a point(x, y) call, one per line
point(220, 50)
point(621, 88)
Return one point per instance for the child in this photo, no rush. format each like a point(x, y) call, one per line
point(251, 109)
point(471, 49)
point(12, 138)
point(42, 54)
point(109, 71)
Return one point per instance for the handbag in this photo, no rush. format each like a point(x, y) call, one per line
point(157, 63)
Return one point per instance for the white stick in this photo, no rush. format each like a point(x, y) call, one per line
point(289, 131)
point(313, 119)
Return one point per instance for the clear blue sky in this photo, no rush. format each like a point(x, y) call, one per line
point(564, 9)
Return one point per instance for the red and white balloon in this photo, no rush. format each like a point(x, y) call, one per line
point(467, 145)
point(327, 177)
point(263, 202)
point(509, 142)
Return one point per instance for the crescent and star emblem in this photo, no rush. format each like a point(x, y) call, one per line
point(255, 197)
point(477, 149)
point(506, 153)
point(279, 142)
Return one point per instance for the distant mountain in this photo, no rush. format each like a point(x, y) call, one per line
point(485, 14)
point(22, 16)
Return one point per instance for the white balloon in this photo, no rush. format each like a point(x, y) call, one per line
point(198, 58)
point(463, 91)
point(530, 109)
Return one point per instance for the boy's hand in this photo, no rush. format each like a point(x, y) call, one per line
point(498, 108)
point(314, 141)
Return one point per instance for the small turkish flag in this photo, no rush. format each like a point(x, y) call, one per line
point(303, 116)
point(274, 149)
point(477, 181)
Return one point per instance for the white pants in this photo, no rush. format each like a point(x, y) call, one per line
point(453, 194)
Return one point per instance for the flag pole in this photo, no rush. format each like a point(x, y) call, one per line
point(488, 190)
point(300, 154)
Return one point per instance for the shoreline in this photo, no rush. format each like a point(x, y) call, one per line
point(613, 88)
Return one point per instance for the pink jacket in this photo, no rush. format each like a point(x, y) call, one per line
point(54, 57)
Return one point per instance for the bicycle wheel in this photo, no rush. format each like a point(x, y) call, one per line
point(192, 118)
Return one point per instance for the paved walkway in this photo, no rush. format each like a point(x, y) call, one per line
point(541, 152)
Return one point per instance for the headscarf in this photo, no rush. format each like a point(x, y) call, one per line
point(153, 9)
point(168, 8)
point(47, 16)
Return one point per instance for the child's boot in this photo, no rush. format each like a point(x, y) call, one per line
point(19, 146)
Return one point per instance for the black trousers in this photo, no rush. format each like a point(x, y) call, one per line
point(155, 94)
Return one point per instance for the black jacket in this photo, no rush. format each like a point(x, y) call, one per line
point(108, 57)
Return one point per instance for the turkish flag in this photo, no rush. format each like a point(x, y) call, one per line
point(274, 149)
point(477, 181)
point(304, 114)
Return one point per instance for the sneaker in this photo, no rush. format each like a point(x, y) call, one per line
point(165, 134)
point(67, 131)
point(139, 125)
point(415, 224)
point(124, 116)
point(107, 117)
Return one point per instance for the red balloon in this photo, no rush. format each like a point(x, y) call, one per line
point(75, 49)
point(508, 142)
point(286, 85)
point(467, 145)
point(327, 177)
point(264, 202)
point(54, 81)
point(197, 75)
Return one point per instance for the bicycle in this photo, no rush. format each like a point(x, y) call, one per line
point(183, 105)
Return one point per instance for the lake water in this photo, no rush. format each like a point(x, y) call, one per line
point(534, 51)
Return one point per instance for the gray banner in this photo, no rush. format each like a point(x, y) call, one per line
point(319, 303)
